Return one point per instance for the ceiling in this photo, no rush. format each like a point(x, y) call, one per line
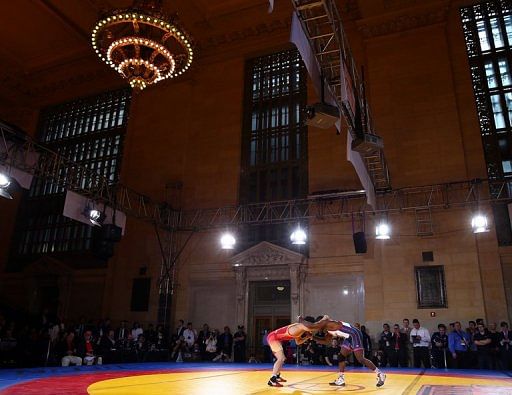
point(46, 43)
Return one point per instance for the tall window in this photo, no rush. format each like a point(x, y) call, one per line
point(430, 287)
point(274, 148)
point(90, 132)
point(488, 33)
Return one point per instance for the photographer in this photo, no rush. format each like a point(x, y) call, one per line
point(211, 346)
point(420, 339)
point(439, 347)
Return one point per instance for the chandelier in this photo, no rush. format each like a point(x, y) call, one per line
point(143, 44)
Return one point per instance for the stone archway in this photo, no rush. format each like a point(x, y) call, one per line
point(268, 262)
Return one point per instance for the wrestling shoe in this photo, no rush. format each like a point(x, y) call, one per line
point(339, 382)
point(274, 383)
point(281, 380)
point(381, 378)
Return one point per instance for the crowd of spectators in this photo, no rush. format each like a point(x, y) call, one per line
point(52, 343)
point(476, 347)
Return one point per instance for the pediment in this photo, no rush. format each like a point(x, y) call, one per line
point(267, 254)
point(48, 266)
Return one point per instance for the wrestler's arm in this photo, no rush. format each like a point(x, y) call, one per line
point(310, 327)
point(302, 340)
point(323, 340)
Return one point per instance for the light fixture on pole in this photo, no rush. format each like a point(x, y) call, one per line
point(4, 184)
point(227, 241)
point(479, 223)
point(298, 236)
point(382, 231)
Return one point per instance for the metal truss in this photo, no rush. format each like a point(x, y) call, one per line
point(344, 205)
point(321, 22)
point(17, 147)
point(18, 150)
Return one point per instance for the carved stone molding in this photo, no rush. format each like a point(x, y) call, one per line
point(399, 23)
point(266, 254)
point(269, 27)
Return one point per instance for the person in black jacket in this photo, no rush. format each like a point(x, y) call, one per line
point(440, 351)
point(397, 353)
point(505, 346)
point(482, 339)
point(385, 340)
point(239, 345)
point(367, 343)
point(224, 345)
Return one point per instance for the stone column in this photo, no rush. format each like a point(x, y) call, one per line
point(295, 290)
point(241, 292)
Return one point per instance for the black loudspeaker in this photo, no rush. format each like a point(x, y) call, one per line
point(360, 243)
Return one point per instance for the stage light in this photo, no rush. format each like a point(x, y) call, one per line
point(479, 223)
point(298, 237)
point(382, 231)
point(4, 184)
point(227, 241)
point(96, 217)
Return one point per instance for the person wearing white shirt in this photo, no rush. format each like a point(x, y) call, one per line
point(190, 335)
point(420, 339)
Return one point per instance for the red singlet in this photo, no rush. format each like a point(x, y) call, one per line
point(281, 334)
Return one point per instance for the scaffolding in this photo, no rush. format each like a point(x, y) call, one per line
point(321, 23)
point(318, 207)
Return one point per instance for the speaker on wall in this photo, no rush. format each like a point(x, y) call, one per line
point(360, 242)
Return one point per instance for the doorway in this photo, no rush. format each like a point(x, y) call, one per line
point(269, 309)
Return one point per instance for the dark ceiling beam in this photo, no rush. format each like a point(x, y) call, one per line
point(67, 22)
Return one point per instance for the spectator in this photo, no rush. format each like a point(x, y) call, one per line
point(201, 339)
point(136, 331)
point(385, 340)
point(420, 339)
point(86, 350)
point(398, 351)
point(440, 347)
point(190, 336)
point(458, 343)
point(407, 330)
point(332, 353)
point(494, 346)
point(239, 344)
point(141, 348)
point(211, 346)
point(180, 329)
point(505, 347)
point(70, 350)
point(108, 347)
point(367, 343)
point(122, 332)
point(482, 339)
point(225, 345)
